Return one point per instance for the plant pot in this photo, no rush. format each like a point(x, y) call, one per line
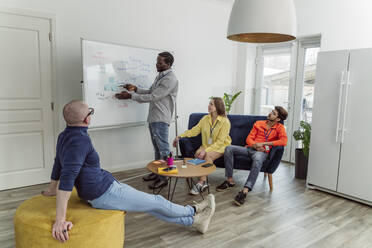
point(301, 162)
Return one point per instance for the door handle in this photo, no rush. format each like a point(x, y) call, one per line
point(348, 85)
point(342, 83)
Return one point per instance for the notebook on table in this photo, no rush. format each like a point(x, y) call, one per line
point(168, 170)
point(196, 161)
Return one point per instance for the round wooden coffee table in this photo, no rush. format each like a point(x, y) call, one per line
point(185, 170)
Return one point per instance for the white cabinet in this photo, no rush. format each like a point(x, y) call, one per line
point(340, 154)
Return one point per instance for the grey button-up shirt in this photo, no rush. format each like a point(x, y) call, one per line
point(161, 96)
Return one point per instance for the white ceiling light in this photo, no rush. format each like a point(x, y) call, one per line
point(262, 21)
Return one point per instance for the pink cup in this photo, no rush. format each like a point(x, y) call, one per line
point(170, 162)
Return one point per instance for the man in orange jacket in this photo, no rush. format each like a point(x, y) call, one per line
point(263, 136)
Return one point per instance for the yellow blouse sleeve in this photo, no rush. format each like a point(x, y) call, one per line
point(193, 131)
point(220, 140)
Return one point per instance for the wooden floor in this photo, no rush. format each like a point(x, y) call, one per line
point(290, 216)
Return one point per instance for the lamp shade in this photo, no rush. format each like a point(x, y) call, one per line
point(262, 21)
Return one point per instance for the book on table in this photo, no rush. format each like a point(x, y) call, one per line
point(168, 170)
point(196, 161)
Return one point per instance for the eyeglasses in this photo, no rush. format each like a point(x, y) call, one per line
point(91, 112)
point(274, 113)
point(277, 114)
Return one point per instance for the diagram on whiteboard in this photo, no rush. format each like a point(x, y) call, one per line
point(106, 68)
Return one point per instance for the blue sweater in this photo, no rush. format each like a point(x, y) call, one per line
point(77, 163)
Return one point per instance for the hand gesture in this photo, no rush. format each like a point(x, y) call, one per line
point(259, 147)
point(175, 141)
point(60, 230)
point(49, 192)
point(123, 95)
point(130, 87)
point(201, 154)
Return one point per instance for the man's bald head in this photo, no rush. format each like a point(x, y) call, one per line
point(75, 112)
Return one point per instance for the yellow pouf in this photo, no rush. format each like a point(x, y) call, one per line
point(35, 217)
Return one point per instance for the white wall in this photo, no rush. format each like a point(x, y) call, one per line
point(194, 29)
point(245, 78)
point(343, 24)
point(206, 62)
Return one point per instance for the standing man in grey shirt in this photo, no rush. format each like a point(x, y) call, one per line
point(162, 97)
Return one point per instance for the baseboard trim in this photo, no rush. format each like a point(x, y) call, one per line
point(312, 186)
point(129, 166)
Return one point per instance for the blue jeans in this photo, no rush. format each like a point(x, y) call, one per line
point(121, 196)
point(258, 158)
point(159, 136)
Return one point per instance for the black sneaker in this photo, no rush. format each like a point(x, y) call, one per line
point(224, 186)
point(159, 183)
point(240, 198)
point(150, 177)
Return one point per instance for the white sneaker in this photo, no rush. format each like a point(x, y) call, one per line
point(198, 188)
point(202, 220)
point(209, 202)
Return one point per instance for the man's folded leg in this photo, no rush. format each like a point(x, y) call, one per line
point(258, 159)
point(230, 152)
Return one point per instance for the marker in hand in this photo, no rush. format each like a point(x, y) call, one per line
point(130, 87)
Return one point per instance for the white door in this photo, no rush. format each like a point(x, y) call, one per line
point(274, 85)
point(26, 124)
point(356, 160)
point(324, 148)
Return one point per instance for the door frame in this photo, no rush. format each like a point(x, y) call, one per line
point(53, 53)
point(271, 49)
point(297, 49)
point(302, 44)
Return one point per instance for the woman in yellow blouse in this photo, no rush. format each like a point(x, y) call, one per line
point(214, 129)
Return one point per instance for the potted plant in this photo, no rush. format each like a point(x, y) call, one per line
point(229, 99)
point(302, 154)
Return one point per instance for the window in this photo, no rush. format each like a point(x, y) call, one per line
point(274, 90)
point(309, 69)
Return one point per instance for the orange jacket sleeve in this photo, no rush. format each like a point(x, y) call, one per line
point(282, 135)
point(252, 136)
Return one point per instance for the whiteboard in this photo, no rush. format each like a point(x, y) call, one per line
point(107, 66)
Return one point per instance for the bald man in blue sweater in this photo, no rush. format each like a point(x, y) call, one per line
point(77, 164)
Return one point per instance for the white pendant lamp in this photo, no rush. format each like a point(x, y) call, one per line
point(262, 21)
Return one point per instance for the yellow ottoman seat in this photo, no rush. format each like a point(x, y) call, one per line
point(35, 217)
